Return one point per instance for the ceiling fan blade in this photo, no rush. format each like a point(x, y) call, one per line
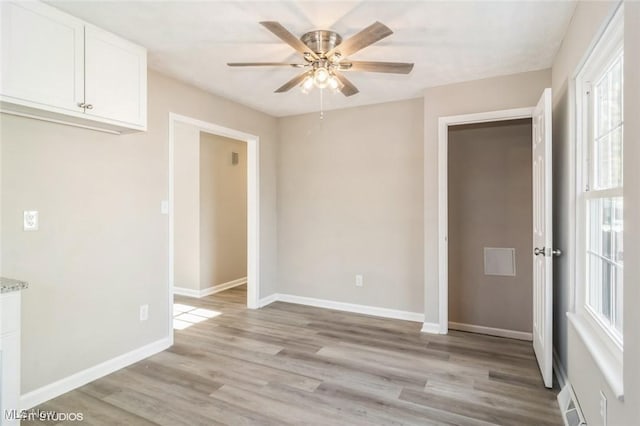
point(373, 33)
point(387, 67)
point(264, 64)
point(287, 37)
point(292, 83)
point(347, 88)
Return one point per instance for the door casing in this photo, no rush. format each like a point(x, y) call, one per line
point(253, 205)
point(443, 208)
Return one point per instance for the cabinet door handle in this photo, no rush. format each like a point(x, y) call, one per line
point(89, 106)
point(82, 105)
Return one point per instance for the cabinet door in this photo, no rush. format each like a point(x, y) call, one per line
point(10, 373)
point(42, 56)
point(9, 355)
point(115, 78)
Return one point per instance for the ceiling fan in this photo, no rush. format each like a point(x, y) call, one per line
point(326, 57)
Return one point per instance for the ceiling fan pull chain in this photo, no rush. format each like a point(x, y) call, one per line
point(321, 104)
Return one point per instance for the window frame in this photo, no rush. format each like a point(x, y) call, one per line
point(605, 60)
point(599, 61)
point(605, 348)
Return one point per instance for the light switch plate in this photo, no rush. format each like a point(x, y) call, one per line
point(164, 207)
point(30, 220)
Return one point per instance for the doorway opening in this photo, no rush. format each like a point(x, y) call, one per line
point(213, 216)
point(490, 218)
point(444, 123)
point(541, 249)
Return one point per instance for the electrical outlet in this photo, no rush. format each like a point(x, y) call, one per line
point(144, 312)
point(359, 281)
point(30, 220)
point(603, 408)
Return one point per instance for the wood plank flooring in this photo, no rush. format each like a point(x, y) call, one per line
point(292, 364)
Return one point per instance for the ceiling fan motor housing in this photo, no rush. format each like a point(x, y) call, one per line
point(321, 41)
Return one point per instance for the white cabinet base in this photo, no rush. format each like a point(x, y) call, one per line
point(10, 358)
point(75, 120)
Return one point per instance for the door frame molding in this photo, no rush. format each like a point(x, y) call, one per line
point(443, 195)
point(253, 205)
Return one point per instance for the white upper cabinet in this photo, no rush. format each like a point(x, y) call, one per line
point(115, 77)
point(42, 56)
point(57, 67)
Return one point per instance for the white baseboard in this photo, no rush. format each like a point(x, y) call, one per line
point(431, 328)
point(182, 291)
point(350, 307)
point(559, 371)
point(499, 332)
point(81, 378)
point(267, 300)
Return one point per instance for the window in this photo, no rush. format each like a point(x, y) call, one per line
point(604, 201)
point(600, 201)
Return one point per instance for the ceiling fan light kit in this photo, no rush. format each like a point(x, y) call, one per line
point(325, 55)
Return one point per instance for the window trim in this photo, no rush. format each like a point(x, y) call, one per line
point(604, 346)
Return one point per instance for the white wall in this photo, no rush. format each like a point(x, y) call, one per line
point(102, 247)
point(350, 202)
point(223, 211)
point(210, 209)
point(186, 211)
point(632, 213)
point(588, 20)
point(492, 94)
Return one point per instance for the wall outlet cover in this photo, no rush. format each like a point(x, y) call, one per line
point(144, 312)
point(603, 408)
point(30, 220)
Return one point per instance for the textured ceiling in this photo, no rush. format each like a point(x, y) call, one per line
point(449, 41)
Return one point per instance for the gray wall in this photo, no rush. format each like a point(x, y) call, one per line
point(584, 374)
point(223, 210)
point(498, 93)
point(101, 250)
point(490, 205)
point(350, 202)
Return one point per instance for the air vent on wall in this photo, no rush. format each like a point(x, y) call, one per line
point(500, 261)
point(571, 412)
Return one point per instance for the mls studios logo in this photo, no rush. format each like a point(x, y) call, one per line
point(39, 415)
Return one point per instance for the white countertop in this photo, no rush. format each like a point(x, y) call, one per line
point(9, 285)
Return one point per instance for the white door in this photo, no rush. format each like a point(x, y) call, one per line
point(115, 78)
point(543, 238)
point(42, 56)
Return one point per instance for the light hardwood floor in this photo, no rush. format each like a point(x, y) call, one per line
point(292, 364)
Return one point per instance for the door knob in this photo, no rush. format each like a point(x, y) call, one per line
point(543, 252)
